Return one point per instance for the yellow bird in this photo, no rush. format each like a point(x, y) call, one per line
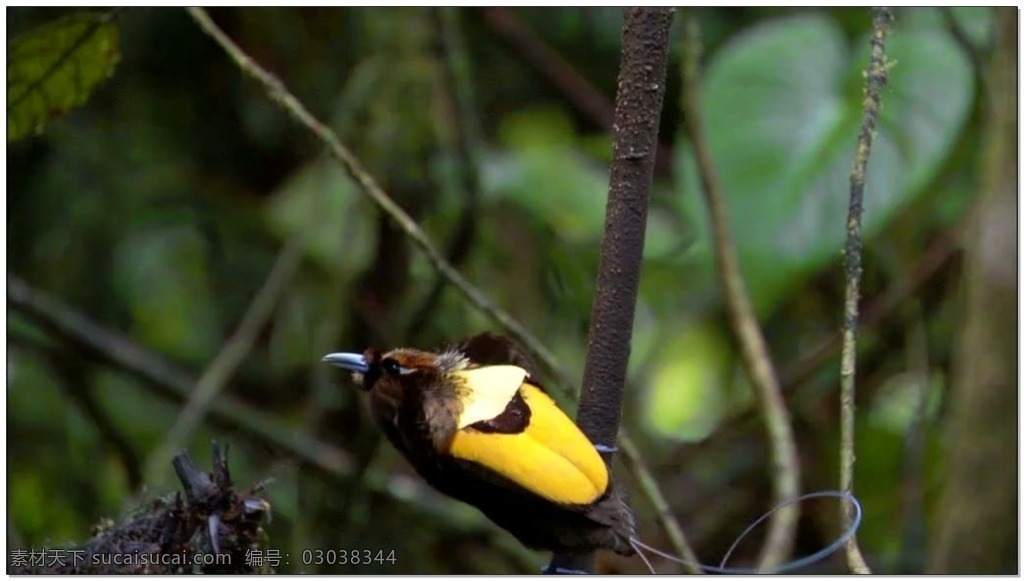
point(477, 425)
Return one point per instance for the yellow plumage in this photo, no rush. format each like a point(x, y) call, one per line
point(550, 457)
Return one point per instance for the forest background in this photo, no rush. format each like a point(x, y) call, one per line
point(177, 207)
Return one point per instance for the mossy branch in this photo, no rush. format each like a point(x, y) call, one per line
point(875, 79)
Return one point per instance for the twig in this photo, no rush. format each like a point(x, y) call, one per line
point(756, 359)
point(551, 65)
point(280, 95)
point(456, 68)
point(638, 105)
point(875, 80)
point(230, 357)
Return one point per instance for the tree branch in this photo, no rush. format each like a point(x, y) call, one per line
point(280, 95)
point(637, 113)
point(638, 107)
point(875, 80)
point(756, 359)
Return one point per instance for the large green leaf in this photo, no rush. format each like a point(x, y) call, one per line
point(781, 106)
point(53, 69)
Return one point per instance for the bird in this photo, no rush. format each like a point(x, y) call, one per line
point(476, 424)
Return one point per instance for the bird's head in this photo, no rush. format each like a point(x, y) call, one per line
point(399, 367)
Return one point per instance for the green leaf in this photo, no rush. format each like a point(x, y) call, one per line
point(781, 105)
point(53, 69)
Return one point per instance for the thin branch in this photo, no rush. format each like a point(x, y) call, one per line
point(552, 66)
point(220, 370)
point(280, 95)
point(875, 80)
point(756, 359)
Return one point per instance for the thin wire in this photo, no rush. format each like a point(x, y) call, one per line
point(790, 566)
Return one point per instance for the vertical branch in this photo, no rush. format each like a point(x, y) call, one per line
point(874, 81)
point(641, 92)
point(756, 360)
point(975, 530)
point(637, 113)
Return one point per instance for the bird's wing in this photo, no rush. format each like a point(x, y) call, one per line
point(529, 442)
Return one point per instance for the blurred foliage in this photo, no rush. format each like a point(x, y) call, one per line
point(157, 208)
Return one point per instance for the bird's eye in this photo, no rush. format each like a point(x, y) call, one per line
point(391, 367)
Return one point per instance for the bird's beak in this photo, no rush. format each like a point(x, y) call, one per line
point(350, 361)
